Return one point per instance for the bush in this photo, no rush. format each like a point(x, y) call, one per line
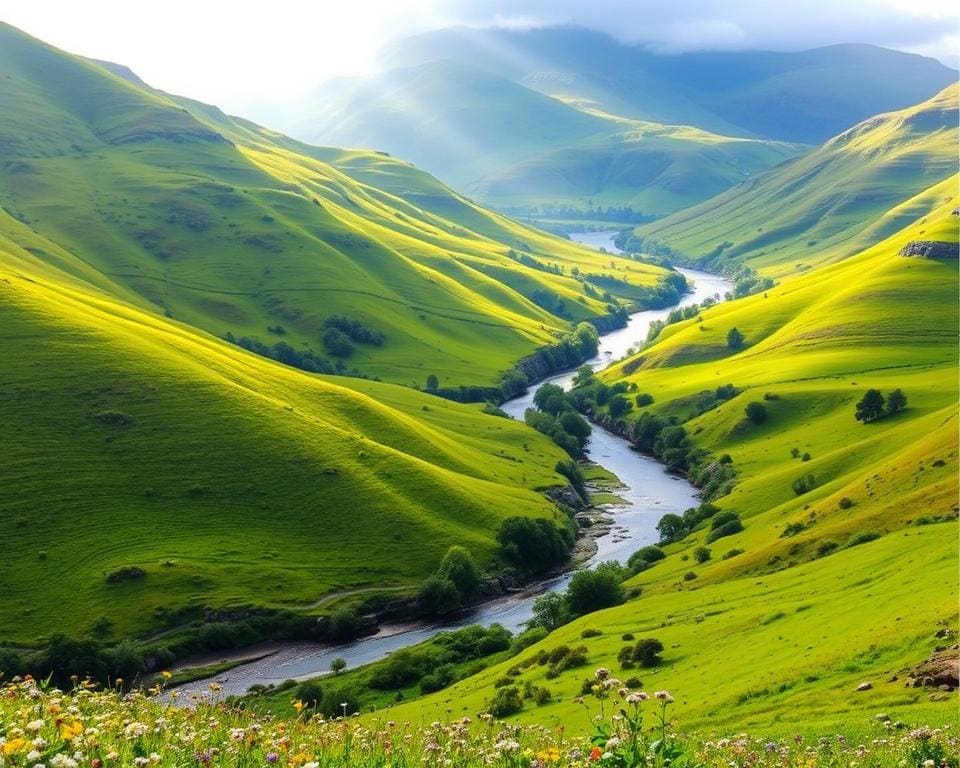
point(439, 596)
point(535, 544)
point(340, 702)
point(525, 639)
point(735, 339)
point(550, 611)
point(619, 406)
point(590, 632)
point(862, 537)
point(643, 399)
point(825, 547)
point(701, 554)
point(337, 343)
point(647, 652)
point(724, 524)
point(689, 576)
point(732, 553)
point(845, 503)
point(756, 412)
point(803, 484)
point(459, 567)
point(506, 701)
point(792, 529)
point(310, 693)
point(643, 558)
point(592, 590)
point(127, 573)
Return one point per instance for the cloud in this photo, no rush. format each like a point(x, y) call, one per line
point(930, 26)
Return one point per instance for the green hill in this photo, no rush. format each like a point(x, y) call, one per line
point(235, 229)
point(828, 204)
point(518, 149)
point(845, 570)
point(133, 440)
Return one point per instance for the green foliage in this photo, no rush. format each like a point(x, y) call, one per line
point(871, 406)
point(701, 554)
point(550, 611)
point(535, 545)
point(896, 401)
point(735, 339)
point(459, 568)
point(439, 596)
point(756, 412)
point(644, 557)
point(803, 484)
point(506, 701)
point(591, 590)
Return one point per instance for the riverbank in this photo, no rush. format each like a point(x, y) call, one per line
point(648, 493)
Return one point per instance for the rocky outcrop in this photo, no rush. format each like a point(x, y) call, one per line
point(940, 670)
point(931, 249)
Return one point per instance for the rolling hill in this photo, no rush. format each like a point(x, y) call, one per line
point(232, 228)
point(520, 150)
point(835, 201)
point(849, 578)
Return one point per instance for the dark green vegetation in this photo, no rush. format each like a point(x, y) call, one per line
point(565, 124)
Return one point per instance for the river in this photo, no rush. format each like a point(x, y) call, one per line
point(649, 494)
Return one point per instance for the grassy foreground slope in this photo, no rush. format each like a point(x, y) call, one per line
point(232, 228)
point(828, 204)
point(131, 440)
point(824, 589)
point(515, 148)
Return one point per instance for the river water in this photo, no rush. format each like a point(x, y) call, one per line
point(649, 494)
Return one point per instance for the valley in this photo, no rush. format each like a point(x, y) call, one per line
point(524, 395)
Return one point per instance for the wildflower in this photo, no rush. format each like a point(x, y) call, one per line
point(271, 757)
point(35, 725)
point(595, 754)
point(664, 696)
point(14, 745)
point(602, 673)
point(166, 675)
point(68, 731)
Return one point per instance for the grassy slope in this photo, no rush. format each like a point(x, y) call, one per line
point(777, 638)
point(826, 205)
point(258, 483)
point(229, 227)
point(510, 145)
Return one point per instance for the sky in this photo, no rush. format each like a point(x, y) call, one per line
point(241, 55)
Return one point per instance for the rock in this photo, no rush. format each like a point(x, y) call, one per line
point(940, 670)
point(944, 687)
point(883, 717)
point(864, 686)
point(931, 249)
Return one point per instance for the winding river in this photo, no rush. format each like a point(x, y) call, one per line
point(649, 494)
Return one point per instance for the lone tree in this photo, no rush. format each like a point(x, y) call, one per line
point(433, 382)
point(896, 401)
point(870, 406)
point(756, 412)
point(734, 338)
point(459, 567)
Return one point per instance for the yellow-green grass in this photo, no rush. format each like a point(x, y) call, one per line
point(828, 204)
point(776, 638)
point(230, 227)
point(132, 440)
point(774, 655)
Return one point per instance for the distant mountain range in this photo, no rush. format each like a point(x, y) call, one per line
point(553, 119)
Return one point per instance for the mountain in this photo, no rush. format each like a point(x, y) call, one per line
point(219, 223)
point(844, 572)
point(806, 96)
point(842, 197)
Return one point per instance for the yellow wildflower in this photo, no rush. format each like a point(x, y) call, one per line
point(68, 731)
point(14, 745)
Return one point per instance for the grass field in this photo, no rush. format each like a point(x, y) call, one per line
point(221, 224)
point(777, 629)
point(826, 205)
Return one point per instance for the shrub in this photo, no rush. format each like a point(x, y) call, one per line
point(724, 524)
point(644, 557)
point(803, 484)
point(590, 632)
point(689, 576)
point(550, 611)
point(627, 636)
point(643, 399)
point(337, 343)
point(732, 553)
point(792, 529)
point(506, 701)
point(310, 693)
point(647, 652)
point(862, 537)
point(459, 567)
point(756, 412)
point(535, 544)
point(701, 554)
point(432, 382)
point(625, 657)
point(735, 339)
point(439, 596)
point(845, 503)
point(127, 573)
point(340, 702)
point(825, 547)
point(592, 590)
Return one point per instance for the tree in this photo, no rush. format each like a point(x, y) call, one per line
point(574, 424)
point(534, 544)
point(671, 528)
point(551, 399)
point(701, 554)
point(433, 382)
point(310, 693)
point(459, 567)
point(592, 590)
point(896, 401)
point(870, 406)
point(550, 611)
point(439, 596)
point(619, 405)
point(337, 343)
point(338, 665)
point(756, 412)
point(585, 375)
point(647, 652)
point(735, 339)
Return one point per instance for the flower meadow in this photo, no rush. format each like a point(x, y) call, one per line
point(87, 727)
